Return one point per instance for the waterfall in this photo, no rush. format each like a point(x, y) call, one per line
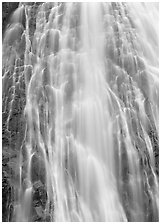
point(83, 79)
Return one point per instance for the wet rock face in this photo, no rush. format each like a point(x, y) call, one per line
point(13, 117)
point(13, 123)
point(13, 132)
point(7, 9)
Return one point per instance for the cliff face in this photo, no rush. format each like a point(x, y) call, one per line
point(7, 9)
point(13, 118)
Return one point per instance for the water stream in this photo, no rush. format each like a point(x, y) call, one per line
point(91, 78)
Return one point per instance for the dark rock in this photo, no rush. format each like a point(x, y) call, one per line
point(7, 9)
point(38, 171)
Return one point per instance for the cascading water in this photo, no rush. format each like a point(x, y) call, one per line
point(87, 74)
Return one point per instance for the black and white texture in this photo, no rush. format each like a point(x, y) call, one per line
point(80, 112)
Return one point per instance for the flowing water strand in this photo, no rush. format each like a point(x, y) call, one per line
point(89, 72)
